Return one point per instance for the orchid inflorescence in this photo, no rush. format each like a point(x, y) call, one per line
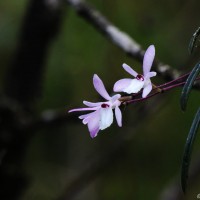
point(101, 116)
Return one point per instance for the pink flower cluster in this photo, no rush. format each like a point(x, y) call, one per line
point(101, 116)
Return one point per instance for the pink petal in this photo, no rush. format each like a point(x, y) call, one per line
point(121, 84)
point(86, 117)
point(148, 59)
point(134, 87)
point(91, 104)
point(99, 86)
point(106, 118)
point(81, 109)
point(147, 90)
point(86, 120)
point(94, 132)
point(129, 70)
point(93, 124)
point(150, 75)
point(118, 116)
point(115, 97)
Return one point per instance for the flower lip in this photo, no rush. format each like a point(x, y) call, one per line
point(100, 88)
point(140, 77)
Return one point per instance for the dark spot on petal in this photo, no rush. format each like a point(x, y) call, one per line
point(140, 77)
point(104, 105)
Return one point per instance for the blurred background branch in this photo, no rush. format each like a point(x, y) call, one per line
point(119, 38)
point(23, 85)
point(40, 27)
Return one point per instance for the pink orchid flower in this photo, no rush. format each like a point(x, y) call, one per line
point(140, 81)
point(102, 115)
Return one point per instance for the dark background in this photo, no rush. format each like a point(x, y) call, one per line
point(48, 55)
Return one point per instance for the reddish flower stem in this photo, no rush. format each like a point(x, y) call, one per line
point(162, 89)
point(126, 99)
point(141, 99)
point(173, 81)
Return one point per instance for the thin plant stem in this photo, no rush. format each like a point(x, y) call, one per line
point(173, 86)
point(173, 81)
point(142, 99)
point(176, 85)
point(162, 90)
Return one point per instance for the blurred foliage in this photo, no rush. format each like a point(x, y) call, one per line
point(195, 124)
point(188, 150)
point(188, 86)
point(153, 157)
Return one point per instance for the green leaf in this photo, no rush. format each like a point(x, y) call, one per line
point(193, 40)
point(188, 86)
point(188, 150)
